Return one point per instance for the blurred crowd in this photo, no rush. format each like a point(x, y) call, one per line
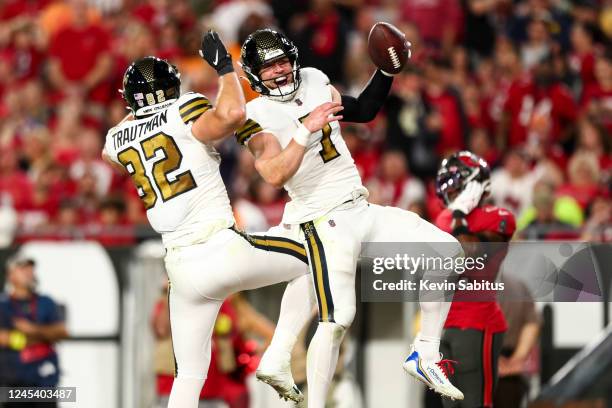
point(525, 84)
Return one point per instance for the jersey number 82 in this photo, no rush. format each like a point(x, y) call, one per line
point(131, 159)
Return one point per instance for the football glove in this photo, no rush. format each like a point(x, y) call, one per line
point(468, 199)
point(214, 52)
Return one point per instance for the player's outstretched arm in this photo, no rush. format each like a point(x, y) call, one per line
point(229, 113)
point(369, 102)
point(277, 165)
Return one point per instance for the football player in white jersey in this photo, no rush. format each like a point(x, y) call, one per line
point(328, 208)
point(166, 147)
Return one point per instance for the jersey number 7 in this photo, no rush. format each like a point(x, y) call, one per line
point(131, 159)
point(328, 151)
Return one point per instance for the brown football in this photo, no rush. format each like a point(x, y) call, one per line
point(388, 48)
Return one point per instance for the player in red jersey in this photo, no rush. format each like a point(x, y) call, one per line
point(597, 96)
point(474, 328)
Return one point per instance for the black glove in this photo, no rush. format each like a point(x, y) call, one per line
point(214, 52)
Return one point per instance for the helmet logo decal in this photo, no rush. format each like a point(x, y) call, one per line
point(273, 53)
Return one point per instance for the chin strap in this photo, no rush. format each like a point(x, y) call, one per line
point(287, 96)
point(284, 97)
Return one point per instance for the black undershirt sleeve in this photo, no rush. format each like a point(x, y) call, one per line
point(365, 107)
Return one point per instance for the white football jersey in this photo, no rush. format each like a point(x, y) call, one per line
point(327, 175)
point(176, 176)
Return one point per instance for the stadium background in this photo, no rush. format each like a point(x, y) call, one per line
point(525, 84)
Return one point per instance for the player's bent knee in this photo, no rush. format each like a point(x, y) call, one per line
point(345, 316)
point(336, 330)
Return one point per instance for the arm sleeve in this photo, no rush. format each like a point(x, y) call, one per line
point(192, 106)
point(365, 107)
point(246, 131)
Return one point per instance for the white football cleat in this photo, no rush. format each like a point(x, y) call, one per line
point(432, 374)
point(281, 380)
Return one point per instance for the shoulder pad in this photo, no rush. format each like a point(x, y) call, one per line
point(314, 74)
point(192, 105)
point(246, 131)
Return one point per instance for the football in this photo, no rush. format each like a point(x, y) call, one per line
point(388, 47)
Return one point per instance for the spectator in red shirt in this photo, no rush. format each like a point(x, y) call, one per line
point(592, 137)
point(6, 80)
point(394, 186)
point(25, 51)
point(21, 8)
point(67, 222)
point(54, 185)
point(438, 21)
point(89, 146)
point(321, 37)
point(25, 108)
point(111, 228)
point(87, 197)
point(495, 78)
point(169, 42)
point(584, 177)
point(461, 74)
point(135, 211)
point(153, 13)
point(582, 59)
point(597, 96)
point(537, 104)
point(14, 181)
point(472, 103)
point(80, 60)
point(269, 199)
point(598, 226)
point(481, 145)
point(136, 41)
point(67, 126)
point(157, 13)
point(45, 198)
point(366, 156)
point(451, 121)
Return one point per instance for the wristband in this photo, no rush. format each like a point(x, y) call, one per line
point(302, 135)
point(225, 69)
